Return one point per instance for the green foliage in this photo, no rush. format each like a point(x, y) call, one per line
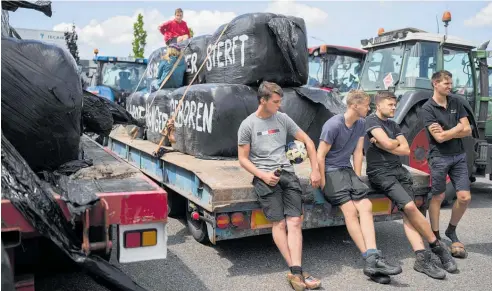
point(71, 39)
point(139, 37)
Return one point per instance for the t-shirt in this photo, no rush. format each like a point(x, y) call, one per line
point(171, 29)
point(342, 139)
point(375, 156)
point(448, 118)
point(267, 138)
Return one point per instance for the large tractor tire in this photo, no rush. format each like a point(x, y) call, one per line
point(412, 127)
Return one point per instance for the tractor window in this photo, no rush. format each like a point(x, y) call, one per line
point(122, 76)
point(381, 63)
point(457, 62)
point(315, 71)
point(420, 64)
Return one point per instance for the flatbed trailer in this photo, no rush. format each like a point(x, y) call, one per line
point(218, 199)
point(129, 200)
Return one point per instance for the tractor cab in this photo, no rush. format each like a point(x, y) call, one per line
point(117, 77)
point(403, 61)
point(335, 68)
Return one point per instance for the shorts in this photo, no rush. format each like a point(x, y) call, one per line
point(343, 185)
point(281, 200)
point(454, 166)
point(395, 182)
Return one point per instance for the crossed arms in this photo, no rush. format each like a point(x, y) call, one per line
point(462, 129)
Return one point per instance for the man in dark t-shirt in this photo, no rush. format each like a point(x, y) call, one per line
point(446, 122)
point(341, 137)
point(387, 174)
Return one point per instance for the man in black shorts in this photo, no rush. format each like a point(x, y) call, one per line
point(261, 150)
point(446, 121)
point(387, 174)
point(341, 136)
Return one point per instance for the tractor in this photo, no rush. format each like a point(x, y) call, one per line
point(116, 78)
point(403, 61)
point(335, 68)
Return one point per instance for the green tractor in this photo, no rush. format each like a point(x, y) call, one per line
point(403, 61)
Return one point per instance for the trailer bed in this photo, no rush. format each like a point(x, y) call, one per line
point(226, 179)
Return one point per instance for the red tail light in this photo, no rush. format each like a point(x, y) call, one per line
point(223, 221)
point(237, 218)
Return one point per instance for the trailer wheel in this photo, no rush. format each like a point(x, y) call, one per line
point(413, 129)
point(197, 228)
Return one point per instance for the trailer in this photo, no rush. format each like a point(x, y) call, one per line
point(217, 196)
point(128, 201)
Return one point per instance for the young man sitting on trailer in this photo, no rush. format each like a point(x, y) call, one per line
point(387, 174)
point(341, 136)
point(262, 137)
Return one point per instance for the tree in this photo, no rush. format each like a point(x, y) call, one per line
point(71, 39)
point(191, 31)
point(139, 37)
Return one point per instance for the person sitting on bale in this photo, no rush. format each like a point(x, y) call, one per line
point(175, 30)
point(176, 79)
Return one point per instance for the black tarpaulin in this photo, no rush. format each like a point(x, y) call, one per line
point(34, 200)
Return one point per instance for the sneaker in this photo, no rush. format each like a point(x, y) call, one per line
point(310, 281)
point(377, 265)
point(436, 261)
point(445, 257)
point(381, 279)
point(296, 281)
point(424, 264)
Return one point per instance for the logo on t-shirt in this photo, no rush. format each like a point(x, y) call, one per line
point(268, 132)
point(453, 111)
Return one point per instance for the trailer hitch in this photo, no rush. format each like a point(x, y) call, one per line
point(106, 244)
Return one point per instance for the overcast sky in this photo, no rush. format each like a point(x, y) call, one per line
point(108, 25)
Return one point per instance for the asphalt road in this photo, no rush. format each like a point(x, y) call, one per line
point(255, 264)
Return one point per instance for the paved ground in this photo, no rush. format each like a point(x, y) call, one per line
point(255, 264)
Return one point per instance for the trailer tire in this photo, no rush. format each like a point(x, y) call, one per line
point(198, 229)
point(414, 131)
point(175, 204)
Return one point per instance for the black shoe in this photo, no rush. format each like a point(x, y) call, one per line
point(381, 279)
point(424, 264)
point(377, 265)
point(448, 262)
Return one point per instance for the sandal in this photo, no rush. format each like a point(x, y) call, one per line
point(296, 281)
point(458, 250)
point(310, 281)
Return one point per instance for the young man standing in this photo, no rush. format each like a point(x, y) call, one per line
point(175, 30)
point(341, 136)
point(446, 121)
point(387, 174)
point(262, 138)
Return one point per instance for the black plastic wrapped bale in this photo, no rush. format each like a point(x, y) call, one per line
point(135, 105)
point(253, 49)
point(41, 102)
point(194, 55)
point(310, 108)
point(96, 116)
point(35, 201)
point(153, 66)
point(208, 121)
point(159, 107)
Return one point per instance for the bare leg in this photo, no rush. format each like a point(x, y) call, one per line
point(434, 210)
point(279, 234)
point(352, 222)
point(418, 222)
point(294, 239)
point(364, 207)
point(413, 235)
point(460, 206)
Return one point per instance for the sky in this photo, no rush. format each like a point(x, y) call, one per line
point(108, 25)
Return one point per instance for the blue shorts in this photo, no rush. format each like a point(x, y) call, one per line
point(454, 166)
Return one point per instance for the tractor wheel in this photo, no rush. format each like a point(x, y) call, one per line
point(413, 129)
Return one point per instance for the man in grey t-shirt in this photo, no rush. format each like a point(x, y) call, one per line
point(262, 138)
point(341, 136)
